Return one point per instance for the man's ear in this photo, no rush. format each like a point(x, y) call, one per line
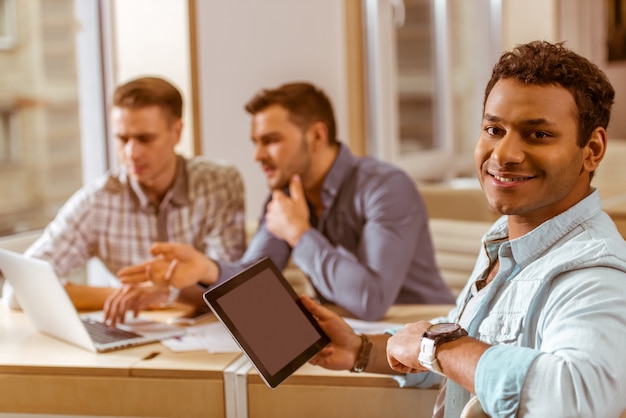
point(319, 134)
point(177, 128)
point(595, 149)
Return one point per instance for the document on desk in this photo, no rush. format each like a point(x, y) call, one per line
point(213, 337)
point(371, 327)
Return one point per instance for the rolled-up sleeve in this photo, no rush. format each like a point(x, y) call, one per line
point(501, 391)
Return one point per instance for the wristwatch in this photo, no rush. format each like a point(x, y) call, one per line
point(364, 355)
point(434, 336)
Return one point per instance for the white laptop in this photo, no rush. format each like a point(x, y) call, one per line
point(44, 300)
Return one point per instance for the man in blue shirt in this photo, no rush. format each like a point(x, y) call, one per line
point(357, 227)
point(539, 328)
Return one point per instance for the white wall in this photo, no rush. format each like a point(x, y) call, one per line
point(247, 45)
point(151, 37)
point(528, 20)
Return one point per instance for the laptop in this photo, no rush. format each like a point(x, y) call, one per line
point(267, 319)
point(44, 300)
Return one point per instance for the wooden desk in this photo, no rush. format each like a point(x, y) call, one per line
point(39, 374)
point(314, 391)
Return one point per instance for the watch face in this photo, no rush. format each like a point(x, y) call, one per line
point(443, 328)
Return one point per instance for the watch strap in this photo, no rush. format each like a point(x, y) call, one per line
point(364, 355)
point(427, 356)
point(428, 348)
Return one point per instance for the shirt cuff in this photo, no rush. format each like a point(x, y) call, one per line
point(306, 249)
point(500, 376)
point(425, 380)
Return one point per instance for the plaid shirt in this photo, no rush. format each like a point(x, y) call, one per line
point(112, 219)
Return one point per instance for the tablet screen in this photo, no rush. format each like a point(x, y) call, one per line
point(266, 318)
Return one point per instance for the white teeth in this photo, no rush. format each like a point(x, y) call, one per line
point(508, 180)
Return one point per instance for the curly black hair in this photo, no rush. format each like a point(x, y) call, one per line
point(545, 63)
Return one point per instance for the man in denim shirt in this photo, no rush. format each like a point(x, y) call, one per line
point(540, 327)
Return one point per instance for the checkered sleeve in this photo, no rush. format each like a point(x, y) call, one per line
point(65, 241)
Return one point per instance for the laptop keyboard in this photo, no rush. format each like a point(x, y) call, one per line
point(102, 333)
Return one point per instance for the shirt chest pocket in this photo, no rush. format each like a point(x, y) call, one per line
point(504, 328)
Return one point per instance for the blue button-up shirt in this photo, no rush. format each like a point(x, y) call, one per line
point(371, 247)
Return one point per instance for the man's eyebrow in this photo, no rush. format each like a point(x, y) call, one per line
point(270, 135)
point(491, 118)
point(527, 122)
point(536, 122)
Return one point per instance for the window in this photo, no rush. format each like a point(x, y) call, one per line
point(7, 24)
point(8, 136)
point(40, 152)
point(425, 75)
point(56, 74)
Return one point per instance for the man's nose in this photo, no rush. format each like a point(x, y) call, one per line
point(509, 149)
point(131, 148)
point(259, 153)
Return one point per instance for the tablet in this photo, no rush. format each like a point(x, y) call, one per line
point(267, 319)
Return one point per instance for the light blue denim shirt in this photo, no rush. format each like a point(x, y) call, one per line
point(556, 317)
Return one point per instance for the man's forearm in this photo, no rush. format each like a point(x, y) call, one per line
point(192, 295)
point(88, 297)
point(458, 360)
point(378, 355)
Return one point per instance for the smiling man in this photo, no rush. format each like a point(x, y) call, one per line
point(154, 195)
point(538, 330)
point(356, 226)
point(530, 161)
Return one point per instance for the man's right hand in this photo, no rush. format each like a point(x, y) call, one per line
point(178, 265)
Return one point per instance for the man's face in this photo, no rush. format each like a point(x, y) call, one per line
point(144, 141)
point(280, 146)
point(527, 157)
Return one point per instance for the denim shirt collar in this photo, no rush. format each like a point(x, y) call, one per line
point(530, 246)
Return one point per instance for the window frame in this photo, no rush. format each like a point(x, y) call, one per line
point(9, 136)
point(8, 15)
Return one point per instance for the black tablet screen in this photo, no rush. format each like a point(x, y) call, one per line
point(265, 316)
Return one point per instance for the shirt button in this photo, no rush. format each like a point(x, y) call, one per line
point(503, 331)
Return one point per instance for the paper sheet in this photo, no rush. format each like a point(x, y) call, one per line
point(371, 327)
point(213, 337)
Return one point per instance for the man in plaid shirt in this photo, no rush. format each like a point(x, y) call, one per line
point(154, 195)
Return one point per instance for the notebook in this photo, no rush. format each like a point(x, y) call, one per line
point(44, 300)
point(267, 319)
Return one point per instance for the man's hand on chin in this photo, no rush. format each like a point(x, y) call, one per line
point(287, 217)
